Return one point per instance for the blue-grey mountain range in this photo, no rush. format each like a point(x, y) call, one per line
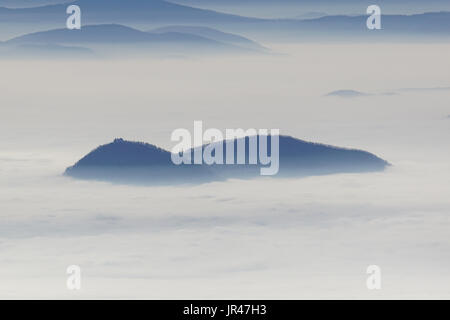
point(121, 11)
point(146, 14)
point(211, 33)
point(30, 3)
point(125, 39)
point(406, 5)
point(158, 27)
point(106, 33)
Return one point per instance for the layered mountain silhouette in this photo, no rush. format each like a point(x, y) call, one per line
point(142, 163)
point(420, 27)
point(108, 33)
point(435, 4)
point(125, 39)
point(146, 14)
point(121, 11)
point(29, 3)
point(331, 4)
point(426, 23)
point(212, 34)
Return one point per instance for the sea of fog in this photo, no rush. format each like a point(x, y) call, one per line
point(265, 238)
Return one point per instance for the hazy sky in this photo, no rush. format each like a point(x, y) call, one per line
point(74, 106)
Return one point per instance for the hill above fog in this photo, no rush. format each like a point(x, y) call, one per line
point(346, 94)
point(142, 163)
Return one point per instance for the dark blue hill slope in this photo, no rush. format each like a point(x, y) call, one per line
point(134, 162)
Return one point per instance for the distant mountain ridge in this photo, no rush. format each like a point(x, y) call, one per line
point(346, 94)
point(122, 11)
point(211, 33)
point(135, 162)
point(29, 3)
point(129, 40)
point(435, 4)
point(158, 13)
point(105, 33)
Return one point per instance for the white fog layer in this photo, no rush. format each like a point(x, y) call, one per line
point(255, 239)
